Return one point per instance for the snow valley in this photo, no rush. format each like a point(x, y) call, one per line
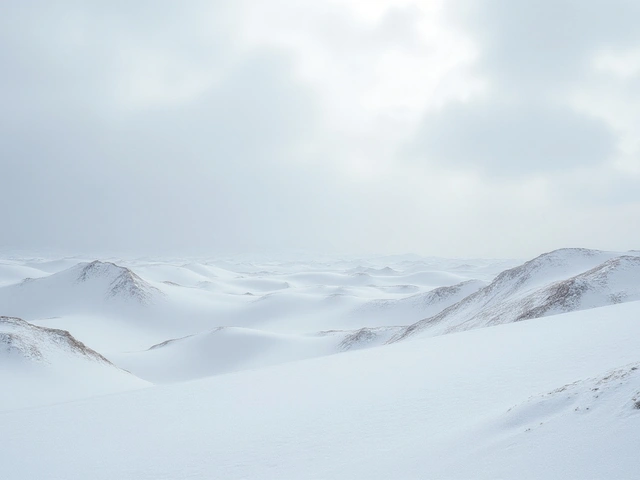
point(373, 367)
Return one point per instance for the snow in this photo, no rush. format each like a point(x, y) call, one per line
point(556, 282)
point(84, 287)
point(416, 307)
point(435, 408)
point(10, 273)
point(213, 369)
point(40, 366)
point(222, 350)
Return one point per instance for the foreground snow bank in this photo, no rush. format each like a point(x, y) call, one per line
point(477, 404)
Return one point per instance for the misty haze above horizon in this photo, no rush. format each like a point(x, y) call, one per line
point(456, 129)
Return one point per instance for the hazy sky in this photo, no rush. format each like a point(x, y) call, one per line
point(454, 128)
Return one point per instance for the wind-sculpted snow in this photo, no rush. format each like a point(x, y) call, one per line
point(412, 308)
point(557, 282)
point(439, 407)
point(228, 349)
point(204, 319)
point(13, 272)
point(617, 391)
point(615, 281)
point(84, 288)
point(20, 338)
point(116, 308)
point(374, 271)
point(123, 283)
point(367, 337)
point(39, 366)
point(284, 369)
point(223, 350)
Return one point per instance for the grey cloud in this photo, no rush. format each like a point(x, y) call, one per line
point(66, 58)
point(527, 44)
point(596, 188)
point(489, 137)
point(533, 55)
point(247, 161)
point(217, 172)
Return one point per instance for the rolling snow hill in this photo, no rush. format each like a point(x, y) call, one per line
point(281, 369)
point(556, 282)
point(83, 288)
point(12, 272)
point(230, 349)
point(412, 308)
point(467, 405)
point(40, 366)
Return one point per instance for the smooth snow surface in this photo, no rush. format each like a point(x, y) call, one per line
point(432, 408)
point(385, 367)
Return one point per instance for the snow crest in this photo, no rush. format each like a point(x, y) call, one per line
point(123, 283)
point(557, 282)
point(21, 339)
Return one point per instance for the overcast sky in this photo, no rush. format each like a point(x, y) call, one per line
point(452, 128)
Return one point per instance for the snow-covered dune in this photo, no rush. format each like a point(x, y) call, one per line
point(586, 428)
point(557, 282)
point(383, 271)
point(160, 272)
point(464, 405)
point(258, 284)
point(40, 366)
point(617, 389)
point(229, 349)
point(330, 279)
point(291, 370)
point(11, 272)
point(56, 265)
point(116, 309)
point(86, 287)
point(223, 350)
point(210, 271)
point(415, 307)
point(383, 277)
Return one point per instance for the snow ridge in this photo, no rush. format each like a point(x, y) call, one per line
point(123, 282)
point(557, 282)
point(20, 338)
point(367, 337)
point(440, 295)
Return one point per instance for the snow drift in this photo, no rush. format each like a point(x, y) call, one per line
point(230, 349)
point(83, 288)
point(39, 366)
point(557, 282)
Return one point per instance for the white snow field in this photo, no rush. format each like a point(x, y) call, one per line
point(373, 368)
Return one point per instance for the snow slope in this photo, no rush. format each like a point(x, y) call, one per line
point(474, 404)
point(12, 272)
point(229, 349)
point(222, 350)
point(86, 287)
point(401, 311)
point(281, 312)
point(556, 282)
point(115, 308)
point(40, 366)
